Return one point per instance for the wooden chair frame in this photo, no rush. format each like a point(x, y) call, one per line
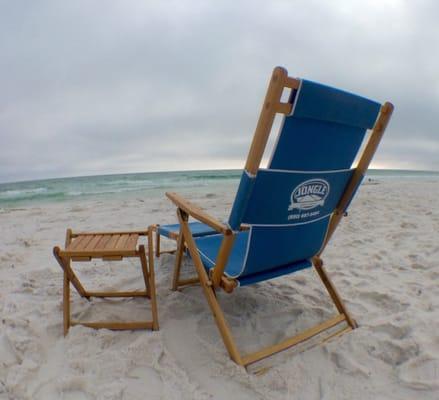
point(158, 250)
point(272, 105)
point(65, 258)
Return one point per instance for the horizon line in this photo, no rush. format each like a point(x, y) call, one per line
point(184, 170)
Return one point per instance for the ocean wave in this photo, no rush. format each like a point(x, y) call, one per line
point(29, 196)
point(109, 185)
point(16, 193)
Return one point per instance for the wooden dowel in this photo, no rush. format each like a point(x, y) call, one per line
point(66, 289)
point(117, 294)
point(185, 282)
point(218, 314)
point(157, 241)
point(145, 272)
point(266, 119)
point(363, 164)
point(80, 259)
point(196, 212)
point(112, 258)
point(65, 265)
point(115, 325)
point(335, 334)
point(291, 83)
point(305, 335)
point(155, 316)
point(228, 284)
point(284, 108)
point(178, 261)
point(138, 232)
point(222, 258)
point(318, 265)
point(99, 253)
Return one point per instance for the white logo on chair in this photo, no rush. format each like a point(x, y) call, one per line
point(309, 194)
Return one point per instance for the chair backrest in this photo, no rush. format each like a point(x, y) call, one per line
point(289, 204)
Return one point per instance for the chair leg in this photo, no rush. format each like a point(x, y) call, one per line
point(149, 281)
point(178, 261)
point(145, 273)
point(318, 265)
point(65, 265)
point(217, 312)
point(157, 241)
point(66, 303)
point(155, 317)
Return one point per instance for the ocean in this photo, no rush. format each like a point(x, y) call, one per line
point(148, 184)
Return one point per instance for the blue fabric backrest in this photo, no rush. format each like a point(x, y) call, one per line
point(289, 204)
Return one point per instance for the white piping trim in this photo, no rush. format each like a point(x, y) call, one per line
point(247, 250)
point(277, 141)
point(245, 257)
point(286, 171)
point(249, 174)
point(204, 255)
point(298, 223)
point(283, 121)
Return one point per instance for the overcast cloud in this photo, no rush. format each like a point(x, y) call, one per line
point(94, 87)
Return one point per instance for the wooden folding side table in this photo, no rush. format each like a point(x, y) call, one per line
point(108, 246)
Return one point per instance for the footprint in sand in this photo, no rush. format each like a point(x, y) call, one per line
point(393, 331)
point(141, 380)
point(50, 390)
point(408, 225)
point(420, 373)
point(394, 352)
point(348, 364)
point(383, 301)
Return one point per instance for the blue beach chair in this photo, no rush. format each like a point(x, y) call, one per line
point(171, 231)
point(291, 208)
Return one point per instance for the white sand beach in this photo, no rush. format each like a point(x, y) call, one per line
point(383, 259)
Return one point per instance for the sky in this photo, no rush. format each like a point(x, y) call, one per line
point(94, 87)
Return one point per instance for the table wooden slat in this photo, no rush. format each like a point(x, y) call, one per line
point(132, 242)
point(91, 245)
point(102, 242)
point(121, 242)
point(112, 242)
point(76, 243)
point(85, 242)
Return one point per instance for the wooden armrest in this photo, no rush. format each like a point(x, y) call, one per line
point(134, 232)
point(197, 212)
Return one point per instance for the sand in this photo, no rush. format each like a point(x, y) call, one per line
point(383, 259)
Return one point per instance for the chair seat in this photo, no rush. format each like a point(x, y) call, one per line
point(197, 229)
point(208, 247)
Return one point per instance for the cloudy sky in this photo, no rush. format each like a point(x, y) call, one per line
point(94, 87)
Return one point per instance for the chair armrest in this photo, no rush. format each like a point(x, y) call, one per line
point(197, 212)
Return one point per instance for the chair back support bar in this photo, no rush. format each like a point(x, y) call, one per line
point(279, 80)
point(360, 171)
